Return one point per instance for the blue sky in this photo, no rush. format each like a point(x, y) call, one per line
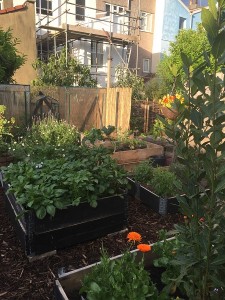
point(200, 2)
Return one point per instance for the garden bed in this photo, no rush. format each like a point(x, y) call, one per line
point(70, 226)
point(34, 280)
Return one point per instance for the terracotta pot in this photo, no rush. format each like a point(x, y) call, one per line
point(169, 113)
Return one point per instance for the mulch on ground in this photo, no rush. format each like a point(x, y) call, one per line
point(21, 279)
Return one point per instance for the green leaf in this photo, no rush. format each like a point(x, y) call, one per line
point(220, 186)
point(218, 46)
point(51, 210)
point(219, 260)
point(210, 24)
point(41, 213)
point(212, 8)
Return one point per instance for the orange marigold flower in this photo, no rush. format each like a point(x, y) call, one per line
point(134, 236)
point(144, 247)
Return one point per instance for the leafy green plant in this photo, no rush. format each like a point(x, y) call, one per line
point(46, 139)
point(11, 59)
point(6, 127)
point(84, 175)
point(143, 172)
point(164, 182)
point(123, 278)
point(64, 70)
point(127, 78)
point(198, 134)
point(158, 130)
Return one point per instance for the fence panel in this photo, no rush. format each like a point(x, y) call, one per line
point(16, 98)
point(83, 107)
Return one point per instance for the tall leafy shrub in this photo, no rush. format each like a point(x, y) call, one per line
point(199, 136)
point(10, 59)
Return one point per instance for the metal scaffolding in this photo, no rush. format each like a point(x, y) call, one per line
point(55, 30)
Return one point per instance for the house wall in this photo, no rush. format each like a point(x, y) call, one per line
point(167, 26)
point(23, 24)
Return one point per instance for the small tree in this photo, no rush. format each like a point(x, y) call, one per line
point(189, 42)
point(125, 78)
point(64, 70)
point(10, 59)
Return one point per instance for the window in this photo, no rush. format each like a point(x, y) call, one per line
point(114, 9)
point(146, 22)
point(44, 7)
point(96, 54)
point(146, 65)
point(182, 23)
point(80, 10)
point(1, 5)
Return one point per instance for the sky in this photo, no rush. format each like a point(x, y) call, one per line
point(200, 2)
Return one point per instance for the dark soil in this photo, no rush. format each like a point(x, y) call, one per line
point(21, 279)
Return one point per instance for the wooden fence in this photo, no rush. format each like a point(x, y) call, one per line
point(90, 107)
point(16, 98)
point(83, 107)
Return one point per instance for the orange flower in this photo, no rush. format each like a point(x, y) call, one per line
point(144, 247)
point(134, 236)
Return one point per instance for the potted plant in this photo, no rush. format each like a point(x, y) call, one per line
point(60, 202)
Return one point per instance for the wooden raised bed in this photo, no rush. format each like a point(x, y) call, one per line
point(130, 158)
point(68, 283)
point(69, 226)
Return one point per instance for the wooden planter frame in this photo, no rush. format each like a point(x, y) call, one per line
point(68, 282)
point(69, 226)
point(130, 158)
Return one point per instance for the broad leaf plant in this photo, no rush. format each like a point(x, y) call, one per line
point(198, 133)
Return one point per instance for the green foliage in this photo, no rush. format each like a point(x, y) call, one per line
point(118, 279)
point(199, 137)
point(64, 70)
point(143, 172)
point(10, 58)
point(158, 130)
point(6, 127)
point(155, 88)
point(83, 175)
point(46, 139)
point(190, 42)
point(164, 182)
point(96, 134)
point(126, 78)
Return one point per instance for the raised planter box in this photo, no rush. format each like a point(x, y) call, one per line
point(69, 226)
point(68, 283)
point(130, 158)
point(134, 189)
point(157, 203)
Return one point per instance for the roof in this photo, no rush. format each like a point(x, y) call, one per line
point(12, 9)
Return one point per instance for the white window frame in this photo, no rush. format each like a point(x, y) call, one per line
point(80, 11)
point(97, 54)
point(41, 10)
point(146, 70)
point(114, 9)
point(146, 21)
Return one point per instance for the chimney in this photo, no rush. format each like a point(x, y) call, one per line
point(193, 4)
point(7, 3)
